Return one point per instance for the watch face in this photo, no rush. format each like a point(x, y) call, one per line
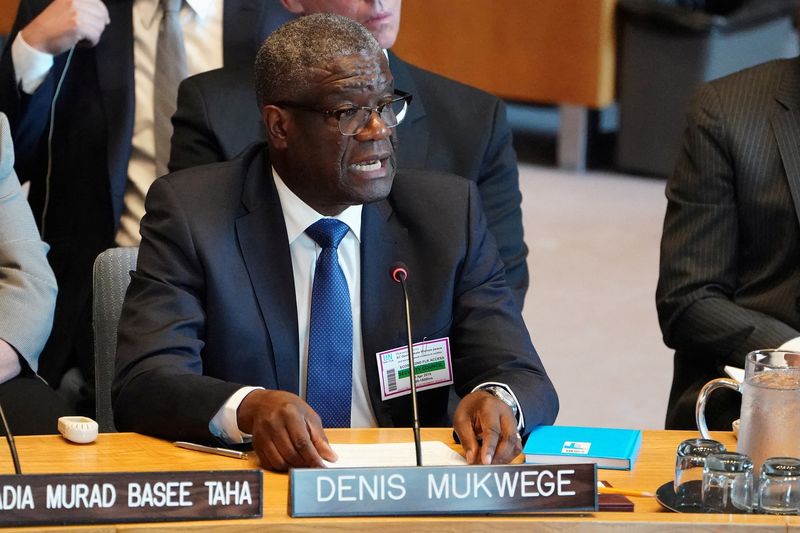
point(503, 396)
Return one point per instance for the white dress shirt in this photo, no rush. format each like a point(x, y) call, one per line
point(201, 21)
point(304, 253)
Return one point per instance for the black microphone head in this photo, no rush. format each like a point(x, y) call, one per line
point(399, 271)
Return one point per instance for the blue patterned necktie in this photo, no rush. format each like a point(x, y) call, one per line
point(330, 341)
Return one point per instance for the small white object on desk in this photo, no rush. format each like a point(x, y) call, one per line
point(78, 429)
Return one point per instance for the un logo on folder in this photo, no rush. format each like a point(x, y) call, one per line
point(576, 448)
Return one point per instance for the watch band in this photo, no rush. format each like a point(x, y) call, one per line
point(504, 396)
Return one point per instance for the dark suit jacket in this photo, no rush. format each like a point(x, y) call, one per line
point(91, 148)
point(212, 305)
point(450, 127)
point(729, 280)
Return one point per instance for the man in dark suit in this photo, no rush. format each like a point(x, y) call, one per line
point(730, 250)
point(221, 312)
point(80, 179)
point(451, 127)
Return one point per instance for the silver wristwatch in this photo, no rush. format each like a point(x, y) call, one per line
point(504, 396)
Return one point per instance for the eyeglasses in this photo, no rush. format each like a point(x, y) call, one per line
point(353, 119)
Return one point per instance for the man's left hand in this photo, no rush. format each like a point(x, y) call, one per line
point(482, 416)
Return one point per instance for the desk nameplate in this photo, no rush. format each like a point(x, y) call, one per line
point(96, 498)
point(442, 490)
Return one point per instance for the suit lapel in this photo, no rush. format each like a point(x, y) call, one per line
point(786, 126)
point(384, 241)
point(412, 133)
point(265, 248)
point(114, 56)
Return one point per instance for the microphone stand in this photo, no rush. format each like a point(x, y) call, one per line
point(399, 274)
point(10, 438)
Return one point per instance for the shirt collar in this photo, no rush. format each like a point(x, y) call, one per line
point(149, 9)
point(201, 7)
point(299, 215)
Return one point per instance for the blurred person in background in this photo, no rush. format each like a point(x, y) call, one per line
point(729, 279)
point(107, 73)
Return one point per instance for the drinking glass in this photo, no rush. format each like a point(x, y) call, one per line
point(779, 486)
point(728, 483)
point(690, 461)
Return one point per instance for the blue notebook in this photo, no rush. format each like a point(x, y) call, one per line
point(608, 447)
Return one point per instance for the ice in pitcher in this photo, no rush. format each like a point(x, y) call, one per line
point(770, 416)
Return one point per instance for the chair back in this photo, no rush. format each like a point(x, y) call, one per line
point(111, 276)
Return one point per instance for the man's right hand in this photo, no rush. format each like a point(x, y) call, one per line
point(286, 430)
point(64, 23)
point(9, 362)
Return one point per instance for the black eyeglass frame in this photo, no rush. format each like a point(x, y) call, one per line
point(337, 113)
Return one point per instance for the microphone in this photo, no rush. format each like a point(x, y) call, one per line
point(10, 438)
point(399, 274)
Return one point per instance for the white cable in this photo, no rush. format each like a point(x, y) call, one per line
point(50, 142)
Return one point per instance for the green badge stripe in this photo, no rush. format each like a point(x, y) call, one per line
point(422, 369)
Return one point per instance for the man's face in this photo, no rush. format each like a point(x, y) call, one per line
point(380, 17)
point(326, 169)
